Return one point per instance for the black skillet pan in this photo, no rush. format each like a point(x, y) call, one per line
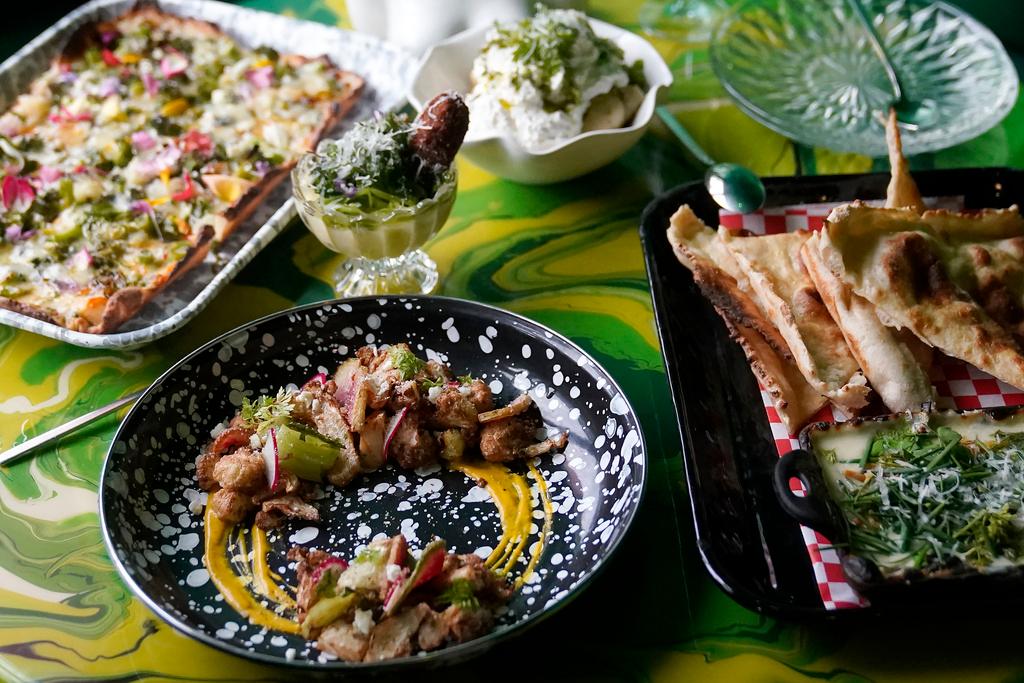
point(819, 510)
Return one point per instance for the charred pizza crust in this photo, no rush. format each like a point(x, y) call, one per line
point(125, 303)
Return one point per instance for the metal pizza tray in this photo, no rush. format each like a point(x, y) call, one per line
point(386, 68)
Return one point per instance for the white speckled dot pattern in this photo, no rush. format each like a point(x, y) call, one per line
point(152, 507)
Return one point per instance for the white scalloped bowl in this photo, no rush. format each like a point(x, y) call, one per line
point(447, 66)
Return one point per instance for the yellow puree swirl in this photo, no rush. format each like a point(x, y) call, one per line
point(232, 584)
point(237, 578)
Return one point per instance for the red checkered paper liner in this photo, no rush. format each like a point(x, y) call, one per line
point(958, 386)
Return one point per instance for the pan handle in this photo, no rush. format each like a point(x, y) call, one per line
point(815, 509)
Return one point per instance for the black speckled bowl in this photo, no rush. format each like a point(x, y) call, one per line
point(595, 487)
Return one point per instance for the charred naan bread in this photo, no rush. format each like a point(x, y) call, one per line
point(772, 266)
point(916, 270)
point(892, 368)
point(716, 272)
point(984, 254)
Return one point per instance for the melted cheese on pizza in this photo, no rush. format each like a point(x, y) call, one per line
point(114, 161)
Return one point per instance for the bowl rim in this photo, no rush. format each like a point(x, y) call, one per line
point(650, 57)
point(448, 655)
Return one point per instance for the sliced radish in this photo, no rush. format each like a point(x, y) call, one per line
point(81, 259)
point(433, 563)
point(173, 64)
point(262, 77)
point(318, 573)
point(347, 378)
point(319, 378)
point(393, 425)
point(394, 590)
point(151, 84)
point(427, 567)
point(272, 459)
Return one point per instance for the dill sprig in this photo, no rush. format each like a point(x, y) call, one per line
point(267, 411)
point(405, 361)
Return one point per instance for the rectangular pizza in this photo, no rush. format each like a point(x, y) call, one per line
point(147, 140)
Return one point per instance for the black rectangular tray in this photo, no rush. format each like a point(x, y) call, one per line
point(752, 549)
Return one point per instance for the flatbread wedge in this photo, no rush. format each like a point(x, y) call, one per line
point(984, 254)
point(150, 138)
point(892, 368)
point(700, 249)
point(772, 265)
point(897, 260)
point(902, 192)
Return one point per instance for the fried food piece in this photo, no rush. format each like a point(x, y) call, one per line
point(206, 462)
point(453, 410)
point(242, 470)
point(231, 506)
point(412, 446)
point(481, 396)
point(393, 636)
point(440, 130)
point(433, 632)
point(505, 439)
point(345, 642)
point(275, 510)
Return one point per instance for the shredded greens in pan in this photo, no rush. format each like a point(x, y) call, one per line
point(936, 499)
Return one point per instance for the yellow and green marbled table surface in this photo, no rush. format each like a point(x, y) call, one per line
point(567, 255)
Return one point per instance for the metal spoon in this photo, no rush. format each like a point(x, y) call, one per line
point(733, 187)
point(910, 115)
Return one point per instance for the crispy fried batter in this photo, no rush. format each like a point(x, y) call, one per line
point(440, 129)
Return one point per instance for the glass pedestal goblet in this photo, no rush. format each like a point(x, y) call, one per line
point(383, 247)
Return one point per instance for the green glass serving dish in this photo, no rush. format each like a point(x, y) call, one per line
point(806, 69)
